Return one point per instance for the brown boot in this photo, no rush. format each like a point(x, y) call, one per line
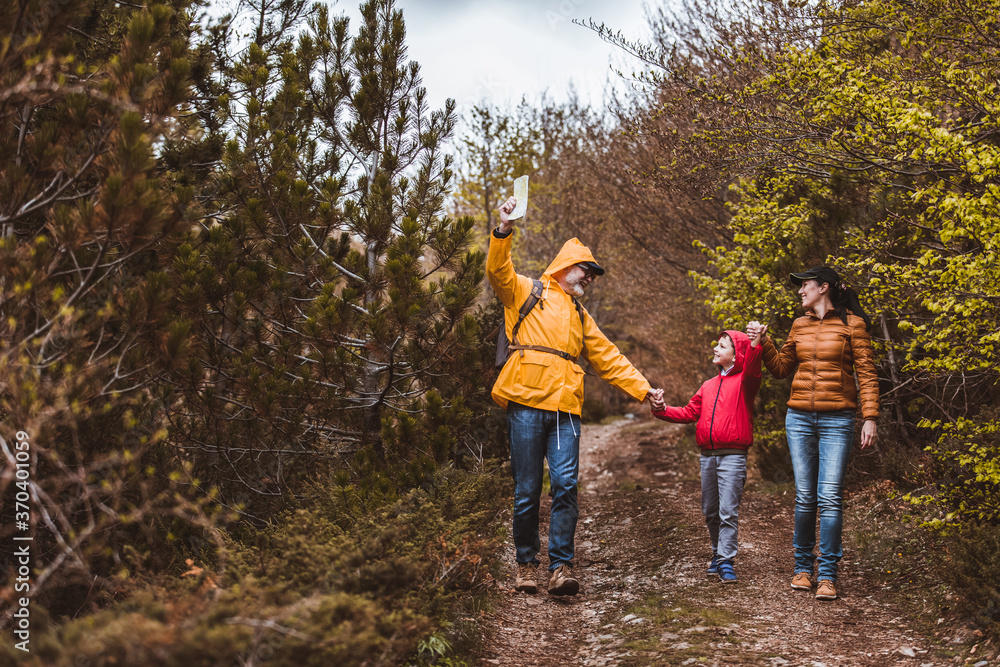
point(802, 581)
point(561, 581)
point(527, 578)
point(826, 590)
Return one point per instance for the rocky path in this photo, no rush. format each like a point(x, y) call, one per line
point(646, 599)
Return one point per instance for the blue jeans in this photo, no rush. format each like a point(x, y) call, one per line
point(536, 435)
point(820, 443)
point(722, 481)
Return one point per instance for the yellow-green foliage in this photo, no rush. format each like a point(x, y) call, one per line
point(966, 472)
point(315, 588)
point(880, 138)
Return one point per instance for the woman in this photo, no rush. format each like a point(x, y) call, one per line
point(826, 348)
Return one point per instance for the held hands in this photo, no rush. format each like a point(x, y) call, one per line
point(757, 333)
point(506, 209)
point(656, 402)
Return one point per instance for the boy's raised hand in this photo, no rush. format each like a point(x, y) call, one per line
point(756, 331)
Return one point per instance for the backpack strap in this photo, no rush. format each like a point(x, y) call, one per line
point(541, 348)
point(529, 303)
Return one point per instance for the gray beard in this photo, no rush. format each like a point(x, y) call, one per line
point(574, 290)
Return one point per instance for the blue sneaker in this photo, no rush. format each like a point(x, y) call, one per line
point(713, 565)
point(727, 574)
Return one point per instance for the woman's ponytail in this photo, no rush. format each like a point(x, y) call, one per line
point(844, 298)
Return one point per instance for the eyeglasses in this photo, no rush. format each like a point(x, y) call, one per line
point(587, 271)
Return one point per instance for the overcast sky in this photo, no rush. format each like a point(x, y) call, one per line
point(499, 50)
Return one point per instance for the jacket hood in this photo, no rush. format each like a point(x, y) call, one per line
point(741, 343)
point(572, 252)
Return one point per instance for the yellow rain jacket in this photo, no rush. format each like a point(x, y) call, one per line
point(541, 379)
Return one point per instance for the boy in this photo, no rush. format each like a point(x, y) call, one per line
point(723, 408)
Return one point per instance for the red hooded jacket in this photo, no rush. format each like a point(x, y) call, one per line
point(723, 406)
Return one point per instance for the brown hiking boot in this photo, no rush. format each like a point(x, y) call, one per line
point(802, 581)
point(527, 578)
point(826, 590)
point(561, 581)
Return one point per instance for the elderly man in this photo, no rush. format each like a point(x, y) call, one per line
point(541, 387)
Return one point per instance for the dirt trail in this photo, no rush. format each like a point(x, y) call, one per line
point(641, 550)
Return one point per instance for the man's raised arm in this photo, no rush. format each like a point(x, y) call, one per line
point(499, 267)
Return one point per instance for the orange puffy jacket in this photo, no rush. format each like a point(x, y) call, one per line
point(540, 379)
point(826, 354)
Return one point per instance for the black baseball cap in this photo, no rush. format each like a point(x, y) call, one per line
point(823, 274)
point(593, 266)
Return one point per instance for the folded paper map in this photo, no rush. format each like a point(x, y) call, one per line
point(521, 194)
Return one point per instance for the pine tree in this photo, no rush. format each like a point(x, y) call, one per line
point(331, 296)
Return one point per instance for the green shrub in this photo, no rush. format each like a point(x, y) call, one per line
point(317, 587)
point(487, 437)
point(973, 570)
point(964, 471)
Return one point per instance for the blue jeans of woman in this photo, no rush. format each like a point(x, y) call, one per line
point(536, 435)
point(820, 444)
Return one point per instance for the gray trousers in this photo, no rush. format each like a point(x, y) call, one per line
point(722, 480)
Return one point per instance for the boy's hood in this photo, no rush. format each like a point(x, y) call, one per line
point(741, 343)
